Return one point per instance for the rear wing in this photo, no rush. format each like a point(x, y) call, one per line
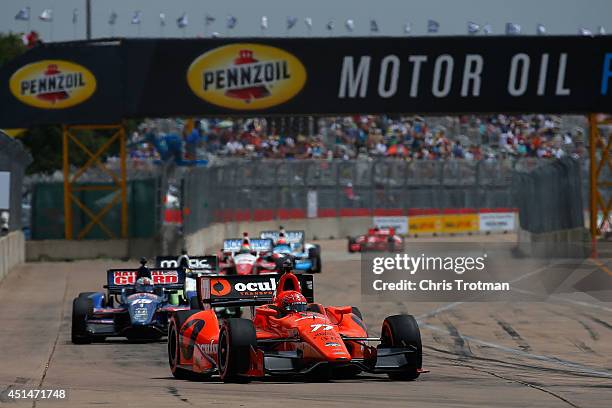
point(382, 231)
point(294, 238)
point(208, 263)
point(257, 244)
point(167, 278)
point(246, 290)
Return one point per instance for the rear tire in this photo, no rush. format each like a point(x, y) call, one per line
point(351, 241)
point(236, 339)
point(82, 307)
point(403, 331)
point(174, 349)
point(314, 254)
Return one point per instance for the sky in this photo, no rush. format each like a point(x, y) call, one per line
point(558, 16)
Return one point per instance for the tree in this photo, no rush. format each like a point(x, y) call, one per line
point(11, 46)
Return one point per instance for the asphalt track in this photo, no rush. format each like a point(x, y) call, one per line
point(552, 354)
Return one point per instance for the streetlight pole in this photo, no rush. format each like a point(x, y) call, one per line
point(88, 18)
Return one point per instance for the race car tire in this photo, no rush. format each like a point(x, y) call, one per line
point(357, 312)
point(351, 241)
point(236, 339)
point(403, 331)
point(174, 349)
point(315, 255)
point(82, 307)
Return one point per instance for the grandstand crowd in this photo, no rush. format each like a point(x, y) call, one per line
point(408, 138)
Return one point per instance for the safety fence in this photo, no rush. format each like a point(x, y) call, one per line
point(430, 191)
point(144, 201)
point(550, 197)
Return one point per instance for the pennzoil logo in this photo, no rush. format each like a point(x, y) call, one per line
point(53, 84)
point(246, 76)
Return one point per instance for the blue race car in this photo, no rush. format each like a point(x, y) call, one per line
point(307, 256)
point(133, 307)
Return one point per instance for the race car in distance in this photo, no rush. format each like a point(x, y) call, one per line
point(307, 256)
point(134, 307)
point(247, 257)
point(298, 337)
point(377, 239)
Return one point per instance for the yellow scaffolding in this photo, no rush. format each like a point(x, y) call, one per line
point(119, 186)
point(599, 155)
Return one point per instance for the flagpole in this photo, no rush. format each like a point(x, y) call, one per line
point(88, 18)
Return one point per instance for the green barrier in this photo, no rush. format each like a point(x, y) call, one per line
point(143, 210)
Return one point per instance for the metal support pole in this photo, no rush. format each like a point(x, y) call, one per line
point(67, 191)
point(123, 183)
point(593, 138)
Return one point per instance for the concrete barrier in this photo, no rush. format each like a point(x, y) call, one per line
point(62, 250)
point(12, 252)
point(210, 239)
point(569, 243)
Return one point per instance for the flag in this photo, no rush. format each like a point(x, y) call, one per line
point(308, 22)
point(601, 30)
point(513, 29)
point(407, 28)
point(182, 21)
point(291, 22)
point(487, 29)
point(23, 14)
point(208, 19)
point(264, 22)
point(330, 25)
point(137, 17)
point(231, 22)
point(433, 26)
point(112, 19)
point(585, 31)
point(75, 16)
point(540, 29)
point(46, 15)
point(350, 25)
point(472, 28)
point(373, 26)
point(162, 19)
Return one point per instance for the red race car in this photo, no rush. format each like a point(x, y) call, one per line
point(377, 239)
point(289, 334)
point(247, 257)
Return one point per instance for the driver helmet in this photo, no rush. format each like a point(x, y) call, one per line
point(292, 301)
point(281, 239)
point(245, 248)
point(144, 285)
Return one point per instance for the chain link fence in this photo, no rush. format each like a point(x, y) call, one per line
point(549, 197)
point(268, 189)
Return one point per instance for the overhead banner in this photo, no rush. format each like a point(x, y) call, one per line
point(102, 81)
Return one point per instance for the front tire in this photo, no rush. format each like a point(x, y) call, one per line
point(236, 340)
point(174, 347)
point(403, 331)
point(82, 307)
